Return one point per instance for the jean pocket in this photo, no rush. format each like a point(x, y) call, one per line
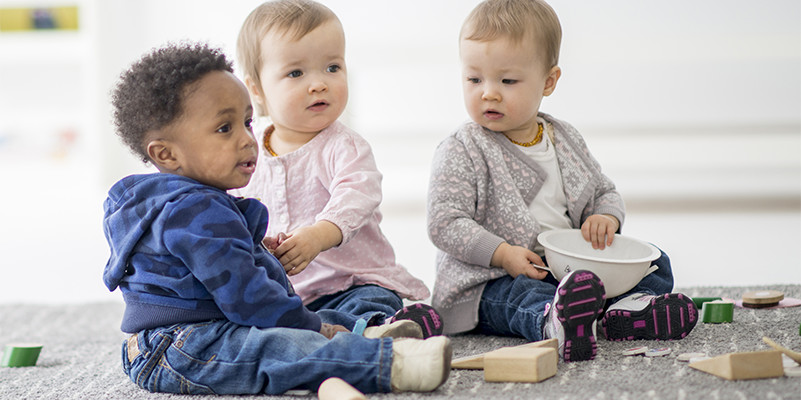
point(179, 368)
point(167, 379)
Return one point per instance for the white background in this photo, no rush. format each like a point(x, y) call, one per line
point(692, 107)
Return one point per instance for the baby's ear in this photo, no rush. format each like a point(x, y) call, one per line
point(550, 81)
point(255, 91)
point(162, 155)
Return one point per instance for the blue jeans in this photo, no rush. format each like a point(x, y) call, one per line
point(221, 357)
point(516, 306)
point(369, 302)
point(657, 282)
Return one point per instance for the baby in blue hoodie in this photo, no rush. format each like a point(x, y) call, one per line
point(209, 309)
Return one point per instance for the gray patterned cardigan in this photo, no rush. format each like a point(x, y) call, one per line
point(479, 194)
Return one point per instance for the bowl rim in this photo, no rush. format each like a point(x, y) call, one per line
point(542, 238)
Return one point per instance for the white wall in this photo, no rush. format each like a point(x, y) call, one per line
point(693, 108)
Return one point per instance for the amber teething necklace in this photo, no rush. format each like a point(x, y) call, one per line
point(536, 140)
point(267, 147)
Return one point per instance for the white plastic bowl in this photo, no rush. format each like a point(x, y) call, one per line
point(620, 266)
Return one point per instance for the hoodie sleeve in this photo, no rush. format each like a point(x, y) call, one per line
point(211, 238)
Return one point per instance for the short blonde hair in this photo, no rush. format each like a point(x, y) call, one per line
point(516, 20)
point(294, 18)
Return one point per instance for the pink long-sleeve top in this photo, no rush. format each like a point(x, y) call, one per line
point(333, 177)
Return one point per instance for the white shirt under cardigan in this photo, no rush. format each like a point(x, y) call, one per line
point(479, 194)
point(333, 177)
point(549, 207)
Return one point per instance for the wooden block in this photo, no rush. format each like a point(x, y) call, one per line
point(748, 365)
point(520, 364)
point(477, 361)
point(337, 389)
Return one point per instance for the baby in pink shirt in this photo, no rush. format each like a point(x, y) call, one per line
point(318, 178)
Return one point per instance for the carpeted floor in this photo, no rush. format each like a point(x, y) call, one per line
point(81, 360)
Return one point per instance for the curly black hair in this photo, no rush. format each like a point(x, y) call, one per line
point(149, 94)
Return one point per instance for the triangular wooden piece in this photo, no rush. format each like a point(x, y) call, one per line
point(477, 361)
point(748, 365)
point(470, 362)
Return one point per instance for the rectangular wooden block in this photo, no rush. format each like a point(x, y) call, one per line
point(747, 365)
point(520, 364)
point(477, 361)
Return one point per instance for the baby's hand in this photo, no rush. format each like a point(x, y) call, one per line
point(272, 243)
point(298, 250)
point(329, 330)
point(600, 230)
point(517, 260)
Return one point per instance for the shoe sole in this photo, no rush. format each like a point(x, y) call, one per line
point(404, 329)
point(581, 302)
point(426, 316)
point(668, 317)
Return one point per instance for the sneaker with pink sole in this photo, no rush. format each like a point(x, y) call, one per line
point(651, 317)
point(426, 316)
point(572, 316)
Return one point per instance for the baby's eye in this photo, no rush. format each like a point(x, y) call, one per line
point(224, 129)
point(333, 68)
point(473, 80)
point(508, 81)
point(295, 74)
point(249, 124)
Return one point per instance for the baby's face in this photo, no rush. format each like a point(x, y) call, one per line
point(503, 84)
point(212, 140)
point(304, 84)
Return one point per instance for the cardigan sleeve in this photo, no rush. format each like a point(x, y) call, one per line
point(451, 211)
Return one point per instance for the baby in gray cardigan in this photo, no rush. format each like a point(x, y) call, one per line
point(512, 173)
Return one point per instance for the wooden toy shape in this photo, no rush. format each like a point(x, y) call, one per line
point(748, 365)
point(794, 355)
point(21, 354)
point(337, 389)
point(469, 362)
point(699, 301)
point(477, 361)
point(762, 298)
point(717, 311)
point(520, 364)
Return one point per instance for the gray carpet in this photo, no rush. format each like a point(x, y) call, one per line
point(81, 360)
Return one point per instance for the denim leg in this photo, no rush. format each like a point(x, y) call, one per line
point(369, 302)
point(515, 307)
point(225, 358)
point(658, 282)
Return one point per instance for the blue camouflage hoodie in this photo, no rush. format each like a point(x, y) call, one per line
point(185, 252)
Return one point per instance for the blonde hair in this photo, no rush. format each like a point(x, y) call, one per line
point(516, 20)
point(293, 18)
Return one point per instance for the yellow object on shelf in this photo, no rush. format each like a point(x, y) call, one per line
point(63, 18)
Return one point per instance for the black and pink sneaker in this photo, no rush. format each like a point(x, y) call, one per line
point(642, 316)
point(426, 316)
point(571, 318)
